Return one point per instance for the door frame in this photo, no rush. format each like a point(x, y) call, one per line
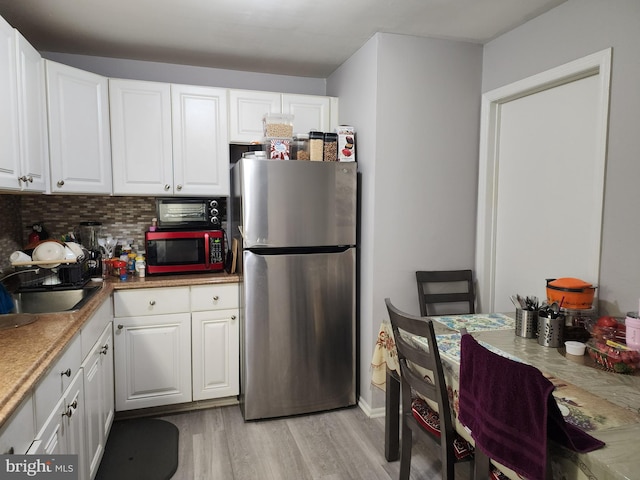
point(599, 64)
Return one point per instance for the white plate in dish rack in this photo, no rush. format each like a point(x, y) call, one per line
point(53, 252)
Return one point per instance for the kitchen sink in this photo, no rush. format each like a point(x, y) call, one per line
point(53, 301)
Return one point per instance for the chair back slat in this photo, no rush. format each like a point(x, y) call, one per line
point(410, 355)
point(445, 292)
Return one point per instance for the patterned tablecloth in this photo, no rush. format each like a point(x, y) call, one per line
point(588, 411)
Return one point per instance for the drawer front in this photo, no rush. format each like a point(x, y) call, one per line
point(57, 379)
point(18, 433)
point(150, 301)
point(214, 297)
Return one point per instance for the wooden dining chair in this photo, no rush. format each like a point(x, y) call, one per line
point(419, 390)
point(445, 292)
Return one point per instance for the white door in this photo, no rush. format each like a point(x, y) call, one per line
point(246, 109)
point(200, 144)
point(141, 137)
point(152, 360)
point(79, 135)
point(310, 112)
point(541, 181)
point(9, 140)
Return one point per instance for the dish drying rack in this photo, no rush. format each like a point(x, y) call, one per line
point(67, 274)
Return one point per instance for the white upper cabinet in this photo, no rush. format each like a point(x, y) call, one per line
point(310, 112)
point(141, 137)
point(246, 109)
point(150, 157)
point(32, 117)
point(9, 139)
point(200, 140)
point(79, 136)
point(23, 125)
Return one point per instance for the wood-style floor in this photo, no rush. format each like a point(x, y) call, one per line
point(217, 444)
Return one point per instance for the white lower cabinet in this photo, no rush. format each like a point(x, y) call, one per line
point(215, 354)
point(19, 431)
point(64, 430)
point(99, 398)
point(176, 345)
point(215, 341)
point(153, 348)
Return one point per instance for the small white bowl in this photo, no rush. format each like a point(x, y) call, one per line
point(575, 348)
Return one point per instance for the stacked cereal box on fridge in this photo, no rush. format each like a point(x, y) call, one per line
point(278, 134)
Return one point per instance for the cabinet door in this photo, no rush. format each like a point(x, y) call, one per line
point(9, 140)
point(216, 355)
point(79, 136)
point(141, 137)
point(32, 118)
point(200, 140)
point(99, 399)
point(56, 381)
point(63, 432)
point(310, 112)
point(19, 431)
point(246, 109)
point(152, 360)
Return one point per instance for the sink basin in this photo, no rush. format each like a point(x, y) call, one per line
point(53, 301)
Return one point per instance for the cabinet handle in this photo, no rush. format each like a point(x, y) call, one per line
point(11, 451)
point(216, 298)
point(23, 179)
point(104, 349)
point(179, 187)
point(167, 187)
point(60, 183)
point(233, 317)
point(70, 409)
point(67, 372)
point(30, 178)
point(152, 302)
point(120, 327)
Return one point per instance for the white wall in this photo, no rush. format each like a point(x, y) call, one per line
point(190, 75)
point(418, 153)
point(570, 31)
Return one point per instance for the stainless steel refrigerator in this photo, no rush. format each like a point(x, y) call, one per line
point(296, 224)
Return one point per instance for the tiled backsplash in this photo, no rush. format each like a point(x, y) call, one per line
point(121, 217)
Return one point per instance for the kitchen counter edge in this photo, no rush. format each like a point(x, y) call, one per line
point(29, 351)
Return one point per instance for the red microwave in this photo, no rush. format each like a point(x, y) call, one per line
point(184, 251)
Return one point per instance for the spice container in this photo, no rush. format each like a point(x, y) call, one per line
point(316, 146)
point(300, 147)
point(330, 147)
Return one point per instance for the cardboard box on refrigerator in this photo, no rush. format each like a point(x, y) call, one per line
point(346, 143)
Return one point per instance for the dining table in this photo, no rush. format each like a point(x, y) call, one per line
point(603, 403)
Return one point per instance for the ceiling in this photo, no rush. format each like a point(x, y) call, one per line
point(289, 37)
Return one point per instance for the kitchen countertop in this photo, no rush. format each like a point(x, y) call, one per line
point(27, 352)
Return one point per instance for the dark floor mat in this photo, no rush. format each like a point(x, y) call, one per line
point(140, 449)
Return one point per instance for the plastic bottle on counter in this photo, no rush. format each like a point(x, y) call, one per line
point(131, 263)
point(141, 265)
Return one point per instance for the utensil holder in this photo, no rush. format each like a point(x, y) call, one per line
point(550, 331)
point(526, 323)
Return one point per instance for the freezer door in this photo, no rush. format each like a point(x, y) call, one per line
point(297, 204)
point(298, 333)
